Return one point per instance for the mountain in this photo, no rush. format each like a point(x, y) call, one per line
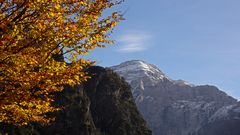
point(102, 106)
point(226, 121)
point(174, 107)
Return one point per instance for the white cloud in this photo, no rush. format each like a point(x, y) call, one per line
point(134, 42)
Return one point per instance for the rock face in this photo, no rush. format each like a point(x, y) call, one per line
point(226, 121)
point(172, 107)
point(112, 105)
point(102, 106)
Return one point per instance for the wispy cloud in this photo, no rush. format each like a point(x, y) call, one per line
point(134, 42)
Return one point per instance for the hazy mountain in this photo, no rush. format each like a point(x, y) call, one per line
point(174, 107)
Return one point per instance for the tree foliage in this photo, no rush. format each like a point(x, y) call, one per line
point(32, 34)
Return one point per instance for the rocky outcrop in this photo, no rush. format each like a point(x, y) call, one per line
point(102, 106)
point(112, 105)
point(171, 107)
point(225, 121)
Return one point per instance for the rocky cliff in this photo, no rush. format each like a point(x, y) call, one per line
point(172, 107)
point(102, 106)
point(225, 121)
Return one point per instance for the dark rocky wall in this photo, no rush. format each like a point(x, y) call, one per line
point(102, 106)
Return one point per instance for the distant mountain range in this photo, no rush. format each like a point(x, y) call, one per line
point(175, 107)
point(104, 105)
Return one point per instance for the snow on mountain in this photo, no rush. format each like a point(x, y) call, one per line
point(223, 112)
point(181, 82)
point(137, 69)
point(172, 106)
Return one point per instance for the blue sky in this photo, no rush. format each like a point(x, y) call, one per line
point(194, 40)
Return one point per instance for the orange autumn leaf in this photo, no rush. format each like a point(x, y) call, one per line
point(34, 36)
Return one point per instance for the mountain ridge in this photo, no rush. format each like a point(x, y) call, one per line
point(144, 66)
point(101, 106)
point(171, 106)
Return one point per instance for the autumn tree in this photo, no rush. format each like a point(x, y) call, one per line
point(32, 34)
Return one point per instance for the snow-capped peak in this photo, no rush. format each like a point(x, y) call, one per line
point(134, 69)
point(136, 65)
